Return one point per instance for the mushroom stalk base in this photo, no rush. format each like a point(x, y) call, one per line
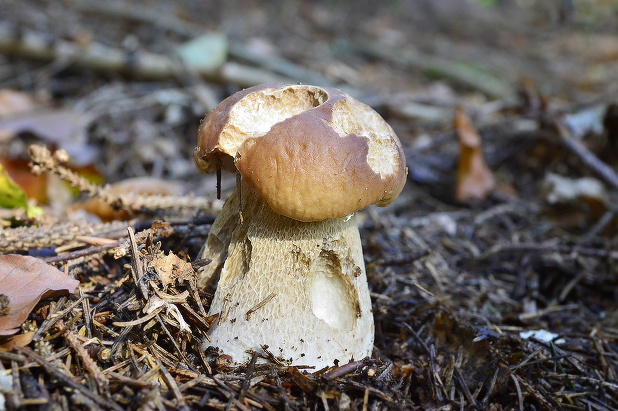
point(299, 288)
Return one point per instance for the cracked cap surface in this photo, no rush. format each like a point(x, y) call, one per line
point(311, 153)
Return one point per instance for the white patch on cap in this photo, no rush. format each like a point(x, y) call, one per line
point(353, 117)
point(255, 114)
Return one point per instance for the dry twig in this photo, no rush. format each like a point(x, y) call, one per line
point(587, 156)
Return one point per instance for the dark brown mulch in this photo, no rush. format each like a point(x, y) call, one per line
point(457, 288)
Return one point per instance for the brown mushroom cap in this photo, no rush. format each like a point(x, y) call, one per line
point(311, 153)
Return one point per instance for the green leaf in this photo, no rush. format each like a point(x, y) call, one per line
point(12, 196)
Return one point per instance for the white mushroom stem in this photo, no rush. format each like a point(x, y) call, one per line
point(299, 288)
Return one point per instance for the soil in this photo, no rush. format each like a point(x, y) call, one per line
point(502, 301)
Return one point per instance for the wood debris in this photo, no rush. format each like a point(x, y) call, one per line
point(507, 303)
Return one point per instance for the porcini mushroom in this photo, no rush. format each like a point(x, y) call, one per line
point(286, 248)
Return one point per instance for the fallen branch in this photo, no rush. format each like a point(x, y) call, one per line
point(549, 248)
point(587, 156)
point(237, 50)
point(434, 66)
point(141, 64)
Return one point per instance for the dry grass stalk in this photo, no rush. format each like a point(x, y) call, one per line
point(42, 160)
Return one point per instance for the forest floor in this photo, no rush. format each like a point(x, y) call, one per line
point(495, 294)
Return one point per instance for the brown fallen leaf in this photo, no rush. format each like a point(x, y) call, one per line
point(171, 268)
point(34, 187)
point(474, 179)
point(19, 340)
point(25, 281)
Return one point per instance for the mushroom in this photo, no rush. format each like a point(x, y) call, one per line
point(286, 247)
